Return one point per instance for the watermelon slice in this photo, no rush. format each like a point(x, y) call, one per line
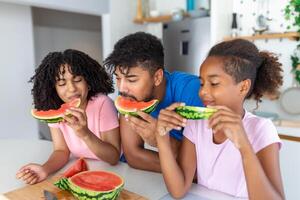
point(79, 166)
point(127, 106)
point(54, 116)
point(93, 185)
point(193, 112)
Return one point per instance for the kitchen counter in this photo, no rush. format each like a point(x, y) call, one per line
point(288, 129)
point(16, 153)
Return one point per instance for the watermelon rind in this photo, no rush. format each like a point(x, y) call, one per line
point(54, 118)
point(194, 112)
point(85, 194)
point(133, 112)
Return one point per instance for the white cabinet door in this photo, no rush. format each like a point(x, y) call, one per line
point(290, 168)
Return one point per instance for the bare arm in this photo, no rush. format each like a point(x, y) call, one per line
point(262, 173)
point(178, 176)
point(107, 148)
point(133, 145)
point(60, 154)
point(33, 173)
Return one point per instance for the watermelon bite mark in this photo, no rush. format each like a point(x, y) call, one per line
point(127, 106)
point(55, 116)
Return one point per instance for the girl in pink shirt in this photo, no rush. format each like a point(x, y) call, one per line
point(234, 152)
point(92, 130)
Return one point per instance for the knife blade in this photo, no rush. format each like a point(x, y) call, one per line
point(49, 195)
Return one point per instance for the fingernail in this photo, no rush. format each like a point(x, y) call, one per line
point(178, 128)
point(182, 104)
point(184, 120)
point(183, 124)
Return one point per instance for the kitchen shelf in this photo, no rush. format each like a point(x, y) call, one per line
point(266, 36)
point(162, 18)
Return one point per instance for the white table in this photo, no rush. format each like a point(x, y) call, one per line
point(16, 153)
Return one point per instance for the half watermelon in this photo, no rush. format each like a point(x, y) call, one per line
point(127, 106)
point(54, 116)
point(93, 185)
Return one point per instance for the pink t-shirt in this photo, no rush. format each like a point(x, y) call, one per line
point(219, 166)
point(101, 116)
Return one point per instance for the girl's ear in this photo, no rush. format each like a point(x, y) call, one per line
point(158, 77)
point(245, 87)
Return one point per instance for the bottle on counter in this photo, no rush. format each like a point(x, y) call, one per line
point(234, 27)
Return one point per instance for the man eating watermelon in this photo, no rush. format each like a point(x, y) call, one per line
point(137, 61)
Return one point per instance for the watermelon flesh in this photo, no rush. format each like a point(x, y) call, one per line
point(79, 166)
point(127, 106)
point(194, 112)
point(54, 116)
point(98, 185)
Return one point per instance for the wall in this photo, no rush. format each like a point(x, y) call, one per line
point(17, 65)
point(247, 12)
point(93, 7)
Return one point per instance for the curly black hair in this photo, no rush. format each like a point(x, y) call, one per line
point(243, 60)
point(44, 93)
point(137, 49)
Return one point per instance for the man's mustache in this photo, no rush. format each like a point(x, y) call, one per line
point(123, 94)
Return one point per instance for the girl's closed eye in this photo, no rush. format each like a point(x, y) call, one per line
point(214, 83)
point(60, 83)
point(77, 79)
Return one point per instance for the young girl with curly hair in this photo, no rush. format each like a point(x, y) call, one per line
point(234, 152)
point(92, 130)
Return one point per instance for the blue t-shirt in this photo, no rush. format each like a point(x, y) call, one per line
point(180, 87)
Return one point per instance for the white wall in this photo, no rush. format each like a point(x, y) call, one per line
point(17, 65)
point(57, 31)
point(94, 7)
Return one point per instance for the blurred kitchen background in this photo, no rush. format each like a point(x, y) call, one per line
point(188, 28)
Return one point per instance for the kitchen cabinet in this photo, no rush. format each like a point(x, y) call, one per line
point(290, 168)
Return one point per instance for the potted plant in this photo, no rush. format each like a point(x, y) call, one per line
point(292, 12)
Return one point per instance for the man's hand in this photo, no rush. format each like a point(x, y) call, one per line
point(144, 126)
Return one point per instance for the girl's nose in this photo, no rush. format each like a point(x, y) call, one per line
point(203, 91)
point(71, 86)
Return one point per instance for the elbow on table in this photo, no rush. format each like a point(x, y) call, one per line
point(177, 194)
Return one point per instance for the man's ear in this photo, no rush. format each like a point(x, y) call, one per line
point(158, 77)
point(245, 86)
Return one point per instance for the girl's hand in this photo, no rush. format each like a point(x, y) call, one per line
point(32, 173)
point(230, 123)
point(76, 118)
point(168, 119)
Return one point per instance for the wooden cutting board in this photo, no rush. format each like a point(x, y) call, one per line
point(36, 192)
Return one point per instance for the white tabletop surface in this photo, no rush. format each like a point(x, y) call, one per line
point(16, 153)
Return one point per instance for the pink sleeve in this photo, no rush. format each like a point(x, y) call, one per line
point(53, 125)
point(189, 131)
point(108, 116)
point(266, 135)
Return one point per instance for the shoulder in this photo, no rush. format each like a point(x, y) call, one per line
point(258, 122)
point(260, 131)
point(99, 99)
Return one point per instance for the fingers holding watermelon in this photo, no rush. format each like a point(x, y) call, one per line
point(76, 118)
point(144, 125)
point(168, 119)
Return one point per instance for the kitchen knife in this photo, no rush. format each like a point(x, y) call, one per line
point(49, 195)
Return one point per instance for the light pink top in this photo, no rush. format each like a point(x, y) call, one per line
point(101, 115)
point(219, 166)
